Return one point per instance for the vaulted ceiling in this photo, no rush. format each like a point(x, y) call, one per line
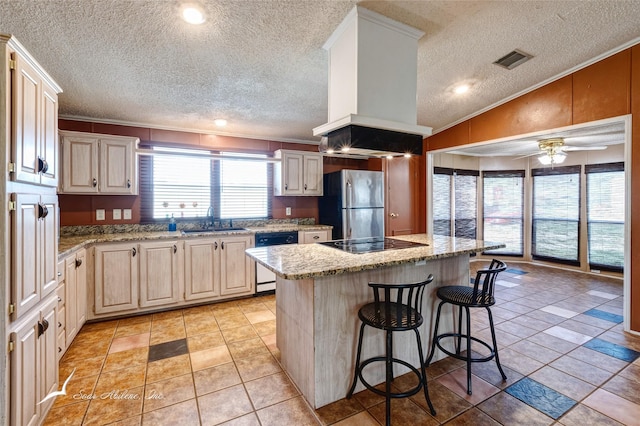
point(261, 66)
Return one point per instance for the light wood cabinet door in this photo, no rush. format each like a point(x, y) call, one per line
point(201, 268)
point(309, 237)
point(71, 306)
point(117, 167)
point(116, 278)
point(81, 288)
point(26, 120)
point(25, 284)
point(49, 244)
point(161, 272)
point(80, 171)
point(312, 174)
point(25, 373)
point(235, 266)
point(48, 352)
point(35, 124)
point(49, 136)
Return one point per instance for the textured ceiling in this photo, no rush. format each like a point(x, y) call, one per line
point(260, 64)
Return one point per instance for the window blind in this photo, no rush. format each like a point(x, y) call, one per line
point(556, 214)
point(605, 215)
point(455, 202)
point(503, 210)
point(243, 187)
point(442, 204)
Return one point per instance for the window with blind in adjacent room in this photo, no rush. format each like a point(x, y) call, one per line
point(605, 215)
point(503, 210)
point(455, 202)
point(556, 214)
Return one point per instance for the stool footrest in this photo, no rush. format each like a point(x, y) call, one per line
point(410, 392)
point(464, 357)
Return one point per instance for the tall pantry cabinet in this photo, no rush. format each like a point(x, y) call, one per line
point(29, 248)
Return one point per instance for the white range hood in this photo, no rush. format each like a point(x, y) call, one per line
point(373, 79)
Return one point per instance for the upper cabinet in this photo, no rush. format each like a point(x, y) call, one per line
point(98, 164)
point(298, 173)
point(34, 152)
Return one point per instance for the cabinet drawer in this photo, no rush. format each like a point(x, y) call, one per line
point(61, 271)
point(61, 320)
point(309, 237)
point(62, 344)
point(60, 291)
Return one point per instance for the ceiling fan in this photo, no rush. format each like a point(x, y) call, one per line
point(554, 150)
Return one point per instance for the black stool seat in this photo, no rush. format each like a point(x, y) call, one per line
point(396, 307)
point(480, 295)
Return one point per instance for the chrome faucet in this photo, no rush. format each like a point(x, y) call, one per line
point(209, 222)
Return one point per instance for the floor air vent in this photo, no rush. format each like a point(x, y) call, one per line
point(513, 59)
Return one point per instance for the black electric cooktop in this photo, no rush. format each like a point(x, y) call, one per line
point(369, 245)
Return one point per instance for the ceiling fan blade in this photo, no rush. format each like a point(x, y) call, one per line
point(583, 148)
point(529, 155)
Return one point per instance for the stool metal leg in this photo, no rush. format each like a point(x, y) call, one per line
point(459, 347)
point(357, 369)
point(468, 331)
point(424, 373)
point(495, 344)
point(389, 377)
point(434, 339)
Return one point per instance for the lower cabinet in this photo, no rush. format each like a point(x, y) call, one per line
point(142, 275)
point(116, 277)
point(217, 267)
point(161, 278)
point(72, 298)
point(34, 364)
point(308, 237)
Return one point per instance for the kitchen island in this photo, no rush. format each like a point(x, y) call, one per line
point(320, 289)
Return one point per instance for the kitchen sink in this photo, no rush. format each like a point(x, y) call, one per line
point(207, 230)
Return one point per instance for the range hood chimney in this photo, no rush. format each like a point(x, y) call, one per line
point(373, 63)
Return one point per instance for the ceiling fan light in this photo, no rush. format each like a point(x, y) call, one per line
point(558, 158)
point(544, 159)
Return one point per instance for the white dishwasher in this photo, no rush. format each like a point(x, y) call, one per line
point(266, 279)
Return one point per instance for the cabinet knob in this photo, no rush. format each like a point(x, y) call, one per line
point(316, 237)
point(78, 263)
point(286, 186)
point(59, 349)
point(59, 324)
point(95, 182)
point(222, 245)
point(134, 251)
point(175, 249)
point(128, 183)
point(394, 215)
point(305, 186)
point(215, 245)
point(59, 273)
point(59, 299)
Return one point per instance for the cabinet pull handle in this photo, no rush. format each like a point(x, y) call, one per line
point(95, 182)
point(43, 166)
point(315, 237)
point(305, 186)
point(59, 324)
point(286, 186)
point(42, 211)
point(175, 249)
point(128, 183)
point(222, 245)
point(40, 329)
point(59, 299)
point(59, 349)
point(215, 245)
point(46, 324)
point(134, 251)
point(78, 263)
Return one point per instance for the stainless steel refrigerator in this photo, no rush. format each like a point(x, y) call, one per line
point(353, 203)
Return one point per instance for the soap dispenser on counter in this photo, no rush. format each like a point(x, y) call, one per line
point(172, 224)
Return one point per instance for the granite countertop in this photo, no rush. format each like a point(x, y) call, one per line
point(68, 244)
point(295, 262)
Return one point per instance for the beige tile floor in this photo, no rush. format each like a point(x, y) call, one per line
point(218, 364)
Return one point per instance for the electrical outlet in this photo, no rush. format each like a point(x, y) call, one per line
point(117, 214)
point(127, 214)
point(288, 211)
point(100, 214)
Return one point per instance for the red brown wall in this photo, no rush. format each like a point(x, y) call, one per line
point(80, 209)
point(608, 88)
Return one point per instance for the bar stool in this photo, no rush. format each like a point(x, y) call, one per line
point(399, 310)
point(478, 296)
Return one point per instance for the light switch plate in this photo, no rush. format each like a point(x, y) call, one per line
point(288, 211)
point(117, 214)
point(100, 214)
point(127, 214)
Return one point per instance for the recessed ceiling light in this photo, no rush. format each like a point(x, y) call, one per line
point(463, 88)
point(220, 122)
point(193, 14)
